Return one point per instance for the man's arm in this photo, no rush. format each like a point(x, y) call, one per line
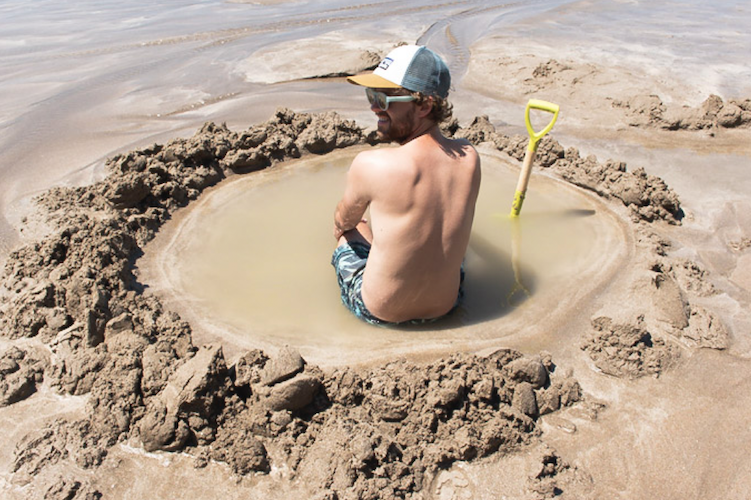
point(354, 203)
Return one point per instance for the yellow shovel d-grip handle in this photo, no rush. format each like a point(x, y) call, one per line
point(529, 157)
point(534, 137)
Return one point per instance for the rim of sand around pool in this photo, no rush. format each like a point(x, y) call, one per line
point(99, 331)
point(247, 265)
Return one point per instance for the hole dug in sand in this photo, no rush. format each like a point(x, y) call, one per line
point(249, 263)
point(382, 430)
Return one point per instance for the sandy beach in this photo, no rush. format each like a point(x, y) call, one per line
point(622, 375)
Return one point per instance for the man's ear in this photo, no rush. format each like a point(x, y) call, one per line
point(425, 107)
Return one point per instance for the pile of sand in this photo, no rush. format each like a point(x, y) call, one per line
point(88, 328)
point(642, 109)
point(610, 101)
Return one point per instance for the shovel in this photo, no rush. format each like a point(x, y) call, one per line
point(529, 157)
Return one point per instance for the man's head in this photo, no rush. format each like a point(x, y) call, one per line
point(410, 70)
point(413, 67)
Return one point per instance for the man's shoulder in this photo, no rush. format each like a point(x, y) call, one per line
point(465, 146)
point(380, 151)
point(461, 150)
point(461, 142)
point(380, 159)
point(370, 155)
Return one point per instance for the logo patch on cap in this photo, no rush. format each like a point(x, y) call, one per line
point(385, 63)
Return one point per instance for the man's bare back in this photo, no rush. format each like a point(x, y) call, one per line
point(423, 200)
point(421, 197)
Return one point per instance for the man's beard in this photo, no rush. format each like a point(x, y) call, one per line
point(397, 131)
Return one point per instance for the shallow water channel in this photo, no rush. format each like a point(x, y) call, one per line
point(250, 262)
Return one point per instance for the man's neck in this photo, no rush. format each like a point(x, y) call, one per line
point(426, 127)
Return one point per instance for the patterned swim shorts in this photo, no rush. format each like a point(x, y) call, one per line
point(349, 262)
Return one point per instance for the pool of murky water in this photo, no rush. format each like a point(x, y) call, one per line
point(250, 261)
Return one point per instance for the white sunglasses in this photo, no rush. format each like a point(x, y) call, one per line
point(382, 100)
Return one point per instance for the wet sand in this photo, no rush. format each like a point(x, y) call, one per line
point(663, 407)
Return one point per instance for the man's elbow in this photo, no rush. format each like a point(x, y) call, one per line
point(339, 220)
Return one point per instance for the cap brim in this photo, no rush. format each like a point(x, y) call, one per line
point(373, 81)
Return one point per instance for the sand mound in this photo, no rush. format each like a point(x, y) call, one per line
point(650, 111)
point(326, 56)
point(645, 110)
point(606, 101)
point(359, 433)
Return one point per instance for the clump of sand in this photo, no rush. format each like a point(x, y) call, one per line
point(89, 329)
point(650, 111)
point(21, 370)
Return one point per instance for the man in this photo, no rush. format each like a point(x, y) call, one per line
point(405, 265)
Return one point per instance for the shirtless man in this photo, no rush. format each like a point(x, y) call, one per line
point(405, 265)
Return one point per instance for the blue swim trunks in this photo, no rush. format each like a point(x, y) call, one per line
point(349, 262)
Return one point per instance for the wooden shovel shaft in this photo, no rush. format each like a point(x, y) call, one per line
point(521, 185)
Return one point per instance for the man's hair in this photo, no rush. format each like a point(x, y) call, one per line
point(442, 109)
